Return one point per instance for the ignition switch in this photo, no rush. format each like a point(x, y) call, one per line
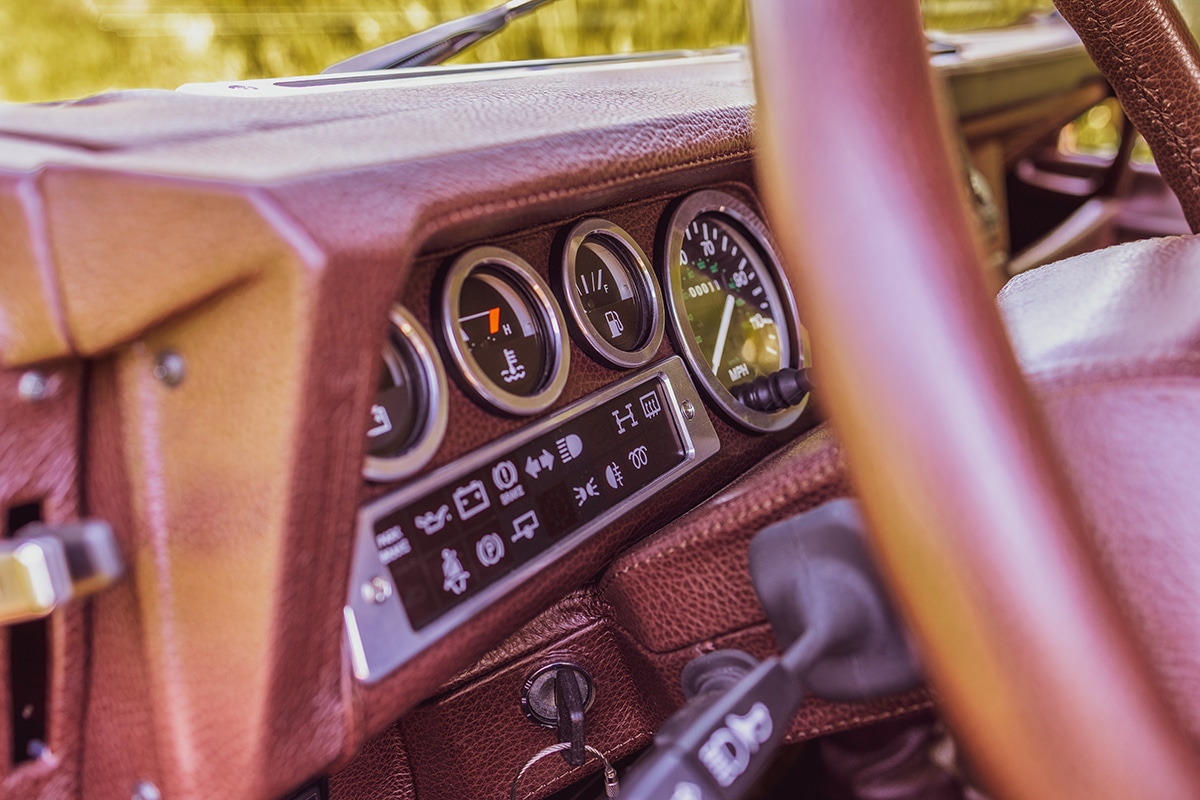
point(557, 696)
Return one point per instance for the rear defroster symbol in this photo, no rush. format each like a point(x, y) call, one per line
point(651, 407)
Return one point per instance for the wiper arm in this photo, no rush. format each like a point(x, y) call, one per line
point(436, 44)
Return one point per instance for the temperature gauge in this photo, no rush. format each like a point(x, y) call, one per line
point(611, 293)
point(504, 331)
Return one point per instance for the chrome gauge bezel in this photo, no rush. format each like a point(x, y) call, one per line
point(624, 247)
point(537, 291)
point(433, 426)
point(755, 230)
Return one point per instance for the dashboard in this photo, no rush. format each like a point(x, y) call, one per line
point(431, 554)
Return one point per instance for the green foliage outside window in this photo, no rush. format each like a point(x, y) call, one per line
point(58, 49)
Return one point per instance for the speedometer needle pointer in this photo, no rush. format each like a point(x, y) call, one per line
point(722, 333)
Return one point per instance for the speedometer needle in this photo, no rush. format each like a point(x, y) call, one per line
point(722, 332)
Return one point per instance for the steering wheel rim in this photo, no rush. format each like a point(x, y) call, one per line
point(972, 520)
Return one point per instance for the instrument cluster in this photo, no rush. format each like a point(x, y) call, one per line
point(716, 285)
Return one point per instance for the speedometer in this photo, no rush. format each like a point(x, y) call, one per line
point(733, 317)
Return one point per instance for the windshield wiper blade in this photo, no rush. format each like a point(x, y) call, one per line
point(436, 44)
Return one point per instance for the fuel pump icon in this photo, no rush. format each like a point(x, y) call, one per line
point(615, 326)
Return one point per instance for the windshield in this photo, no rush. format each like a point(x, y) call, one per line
point(74, 48)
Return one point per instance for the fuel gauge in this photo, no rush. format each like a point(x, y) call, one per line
point(504, 331)
point(611, 293)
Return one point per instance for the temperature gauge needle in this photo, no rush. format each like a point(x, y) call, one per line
point(722, 333)
point(493, 315)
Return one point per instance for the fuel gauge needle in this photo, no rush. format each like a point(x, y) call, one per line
point(722, 332)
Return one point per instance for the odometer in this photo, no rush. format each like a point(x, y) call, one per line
point(733, 318)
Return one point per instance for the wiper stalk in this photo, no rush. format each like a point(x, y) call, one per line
point(436, 44)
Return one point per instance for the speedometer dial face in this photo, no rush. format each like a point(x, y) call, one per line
point(731, 310)
point(733, 318)
point(504, 331)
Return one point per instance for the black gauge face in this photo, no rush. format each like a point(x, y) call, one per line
point(407, 418)
point(400, 400)
point(609, 287)
point(731, 302)
point(502, 331)
point(609, 297)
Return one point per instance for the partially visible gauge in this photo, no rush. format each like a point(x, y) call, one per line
point(733, 317)
point(612, 295)
point(408, 417)
point(504, 331)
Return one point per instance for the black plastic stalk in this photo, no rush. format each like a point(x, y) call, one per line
point(816, 581)
point(774, 392)
point(841, 642)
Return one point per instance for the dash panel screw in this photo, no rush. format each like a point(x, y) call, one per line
point(377, 591)
point(145, 790)
point(169, 368)
point(33, 387)
point(689, 410)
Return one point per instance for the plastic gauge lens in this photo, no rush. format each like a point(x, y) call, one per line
point(504, 331)
point(611, 293)
point(408, 415)
point(731, 302)
point(734, 319)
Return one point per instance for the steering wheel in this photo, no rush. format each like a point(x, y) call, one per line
point(973, 520)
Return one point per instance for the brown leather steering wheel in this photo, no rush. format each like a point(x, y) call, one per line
point(972, 519)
